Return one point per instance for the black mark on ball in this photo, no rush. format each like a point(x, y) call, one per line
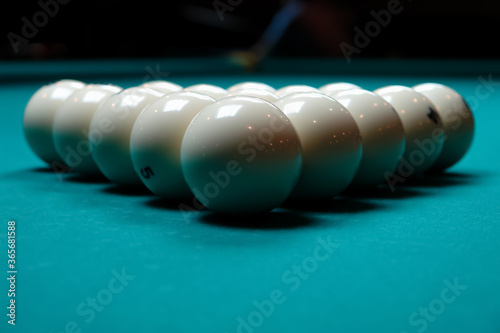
point(433, 115)
point(147, 172)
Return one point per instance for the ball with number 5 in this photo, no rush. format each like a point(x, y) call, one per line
point(156, 138)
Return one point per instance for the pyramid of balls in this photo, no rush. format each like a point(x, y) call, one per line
point(248, 148)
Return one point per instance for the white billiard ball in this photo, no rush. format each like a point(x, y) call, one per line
point(155, 142)
point(331, 144)
point(333, 89)
point(382, 135)
point(422, 126)
point(260, 93)
point(208, 89)
point(251, 85)
point(241, 155)
point(71, 126)
point(110, 130)
point(39, 117)
point(162, 86)
point(458, 122)
point(296, 88)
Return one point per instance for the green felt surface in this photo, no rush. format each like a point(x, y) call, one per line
point(391, 254)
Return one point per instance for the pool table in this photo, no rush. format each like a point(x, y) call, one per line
point(91, 256)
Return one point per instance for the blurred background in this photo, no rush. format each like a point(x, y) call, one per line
point(77, 29)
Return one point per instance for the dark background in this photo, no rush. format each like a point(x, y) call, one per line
point(136, 29)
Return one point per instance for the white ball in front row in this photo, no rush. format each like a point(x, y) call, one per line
point(39, 117)
point(155, 142)
point(458, 122)
point(72, 123)
point(331, 144)
point(422, 126)
point(241, 155)
point(382, 135)
point(113, 122)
